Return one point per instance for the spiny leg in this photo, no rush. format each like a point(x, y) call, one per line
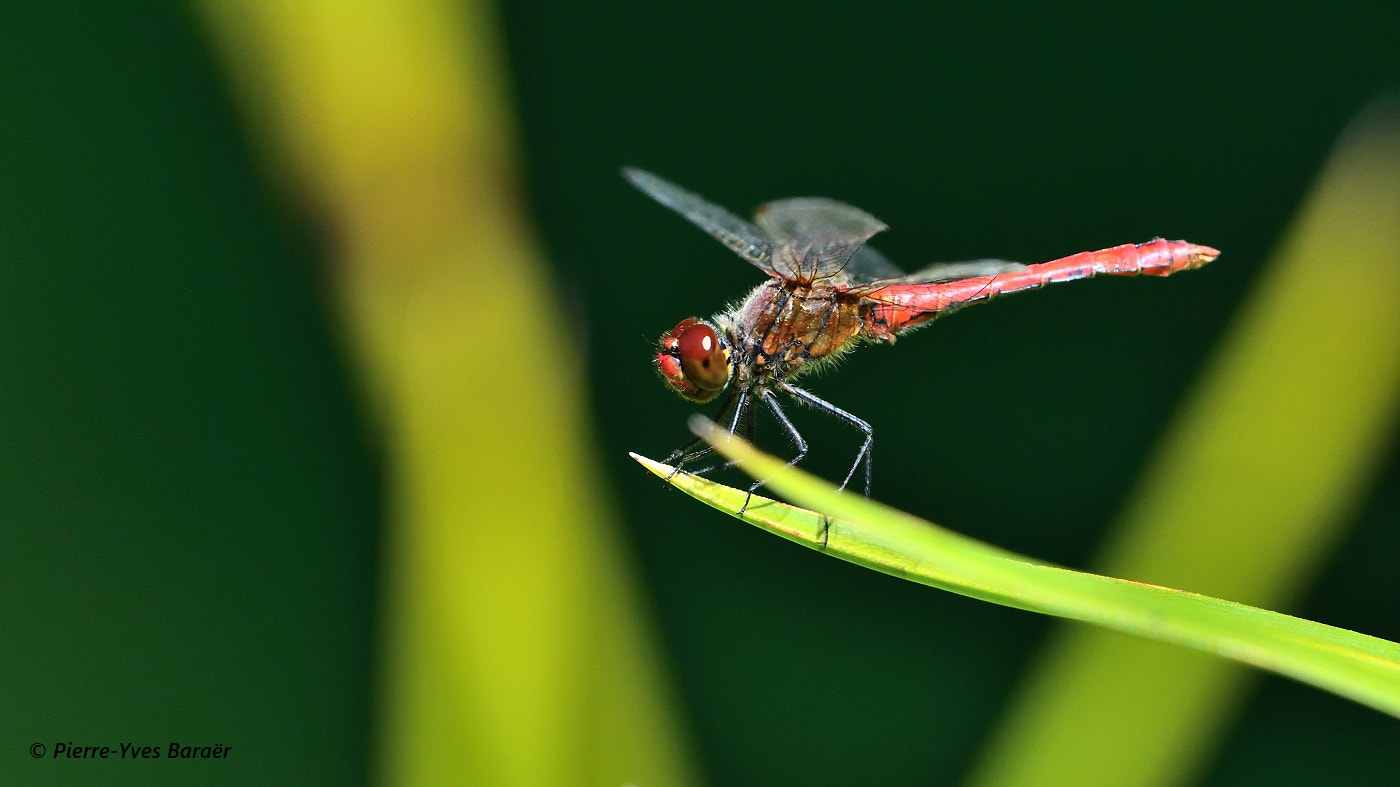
point(748, 437)
point(739, 399)
point(724, 408)
point(694, 441)
point(772, 402)
point(865, 447)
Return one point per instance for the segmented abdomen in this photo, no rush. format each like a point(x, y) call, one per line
point(898, 307)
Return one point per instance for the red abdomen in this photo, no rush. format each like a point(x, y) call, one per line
point(889, 310)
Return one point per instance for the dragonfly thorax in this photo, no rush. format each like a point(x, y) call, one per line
point(783, 330)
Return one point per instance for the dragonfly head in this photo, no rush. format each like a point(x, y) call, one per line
point(694, 360)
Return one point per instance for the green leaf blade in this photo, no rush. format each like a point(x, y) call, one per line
point(1360, 667)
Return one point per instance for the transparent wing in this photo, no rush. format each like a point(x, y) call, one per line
point(869, 265)
point(952, 271)
point(741, 237)
point(816, 221)
point(819, 237)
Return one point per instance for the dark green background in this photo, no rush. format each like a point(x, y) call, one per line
point(189, 506)
point(188, 509)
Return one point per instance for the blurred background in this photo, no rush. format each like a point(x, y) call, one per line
point(325, 330)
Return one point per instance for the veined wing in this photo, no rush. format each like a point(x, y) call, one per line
point(869, 265)
point(818, 238)
point(741, 237)
point(952, 271)
point(869, 268)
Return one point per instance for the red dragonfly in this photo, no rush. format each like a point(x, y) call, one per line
point(827, 293)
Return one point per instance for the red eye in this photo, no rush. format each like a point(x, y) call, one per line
point(703, 360)
point(698, 343)
point(692, 361)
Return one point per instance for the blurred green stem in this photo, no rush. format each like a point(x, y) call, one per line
point(514, 650)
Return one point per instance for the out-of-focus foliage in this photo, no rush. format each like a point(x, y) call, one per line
point(192, 527)
point(514, 649)
point(1256, 482)
point(1357, 666)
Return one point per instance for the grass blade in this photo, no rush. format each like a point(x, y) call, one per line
point(1363, 668)
point(1257, 479)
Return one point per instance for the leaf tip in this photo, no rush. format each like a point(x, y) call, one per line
point(658, 468)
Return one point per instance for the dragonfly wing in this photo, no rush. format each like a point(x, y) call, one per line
point(741, 237)
point(817, 220)
point(819, 237)
point(869, 265)
point(952, 271)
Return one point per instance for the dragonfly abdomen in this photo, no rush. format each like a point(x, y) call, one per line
point(899, 307)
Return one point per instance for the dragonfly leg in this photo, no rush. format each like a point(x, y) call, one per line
point(738, 401)
point(694, 441)
point(862, 456)
point(748, 437)
point(772, 402)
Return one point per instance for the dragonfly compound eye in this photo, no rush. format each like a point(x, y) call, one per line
point(693, 361)
point(703, 360)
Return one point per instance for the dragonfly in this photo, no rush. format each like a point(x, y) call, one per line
point(827, 292)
